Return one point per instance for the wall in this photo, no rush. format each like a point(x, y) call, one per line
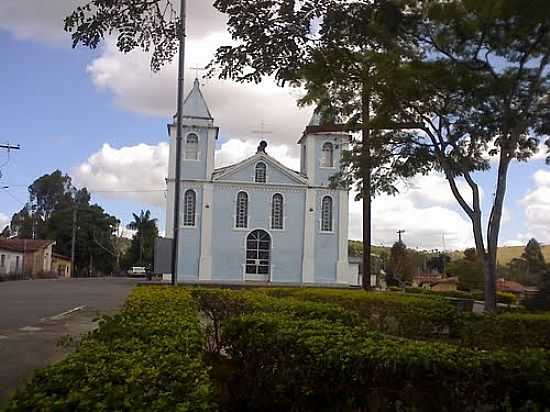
point(10, 262)
point(326, 243)
point(229, 244)
point(189, 237)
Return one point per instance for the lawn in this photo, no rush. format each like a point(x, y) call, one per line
point(298, 349)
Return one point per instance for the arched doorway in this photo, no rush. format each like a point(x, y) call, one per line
point(258, 256)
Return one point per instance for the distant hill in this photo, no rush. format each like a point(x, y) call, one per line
point(506, 253)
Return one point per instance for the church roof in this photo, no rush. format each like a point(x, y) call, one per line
point(227, 170)
point(195, 105)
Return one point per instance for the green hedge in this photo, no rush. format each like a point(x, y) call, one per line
point(146, 358)
point(507, 330)
point(403, 315)
point(275, 363)
point(218, 305)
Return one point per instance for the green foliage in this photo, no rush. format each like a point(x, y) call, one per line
point(142, 248)
point(396, 314)
point(469, 271)
point(151, 26)
point(515, 331)
point(146, 358)
point(49, 215)
point(280, 363)
point(402, 262)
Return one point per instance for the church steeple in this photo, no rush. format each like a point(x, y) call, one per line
point(195, 105)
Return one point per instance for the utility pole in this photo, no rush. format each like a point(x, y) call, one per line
point(399, 233)
point(73, 242)
point(366, 189)
point(179, 120)
point(8, 146)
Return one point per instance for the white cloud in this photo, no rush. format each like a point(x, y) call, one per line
point(427, 220)
point(4, 221)
point(537, 208)
point(43, 20)
point(131, 172)
point(238, 109)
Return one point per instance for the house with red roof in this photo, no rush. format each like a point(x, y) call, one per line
point(26, 256)
point(510, 286)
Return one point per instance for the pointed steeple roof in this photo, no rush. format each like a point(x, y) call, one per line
point(315, 118)
point(195, 105)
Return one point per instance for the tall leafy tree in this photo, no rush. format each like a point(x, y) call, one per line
point(49, 215)
point(534, 259)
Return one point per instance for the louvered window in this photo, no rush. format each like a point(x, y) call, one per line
point(241, 216)
point(189, 205)
point(327, 155)
point(277, 211)
point(192, 147)
point(261, 171)
point(326, 214)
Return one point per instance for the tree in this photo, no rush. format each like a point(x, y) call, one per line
point(468, 269)
point(141, 250)
point(541, 300)
point(479, 86)
point(402, 262)
point(534, 260)
point(144, 24)
point(49, 215)
point(438, 262)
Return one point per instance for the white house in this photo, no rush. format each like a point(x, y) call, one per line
point(11, 262)
point(258, 220)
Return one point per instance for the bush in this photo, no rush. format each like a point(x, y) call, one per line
point(507, 330)
point(218, 305)
point(403, 315)
point(284, 364)
point(146, 358)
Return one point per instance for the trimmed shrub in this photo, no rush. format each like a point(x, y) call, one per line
point(411, 316)
point(146, 358)
point(278, 363)
point(218, 305)
point(507, 330)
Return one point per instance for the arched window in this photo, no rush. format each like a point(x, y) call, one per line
point(326, 214)
point(241, 215)
point(192, 147)
point(327, 155)
point(189, 205)
point(260, 175)
point(277, 212)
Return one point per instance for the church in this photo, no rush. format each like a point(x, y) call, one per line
point(258, 220)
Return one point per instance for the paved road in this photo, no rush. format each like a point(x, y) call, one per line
point(24, 303)
point(29, 334)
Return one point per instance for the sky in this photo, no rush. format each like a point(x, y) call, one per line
point(101, 117)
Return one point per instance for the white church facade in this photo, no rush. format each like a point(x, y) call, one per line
point(258, 220)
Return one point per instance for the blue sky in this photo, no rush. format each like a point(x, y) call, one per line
point(101, 117)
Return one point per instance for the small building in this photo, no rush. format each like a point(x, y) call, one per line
point(510, 286)
point(35, 255)
point(11, 262)
point(426, 280)
point(446, 285)
point(61, 265)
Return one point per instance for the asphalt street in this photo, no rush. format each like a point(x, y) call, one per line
point(35, 314)
point(24, 303)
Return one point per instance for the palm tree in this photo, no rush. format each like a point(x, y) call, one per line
point(145, 227)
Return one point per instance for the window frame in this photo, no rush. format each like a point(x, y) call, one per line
point(237, 210)
point(282, 212)
point(187, 145)
point(185, 210)
point(331, 215)
point(256, 168)
point(323, 159)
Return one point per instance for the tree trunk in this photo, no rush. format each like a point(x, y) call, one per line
point(366, 189)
